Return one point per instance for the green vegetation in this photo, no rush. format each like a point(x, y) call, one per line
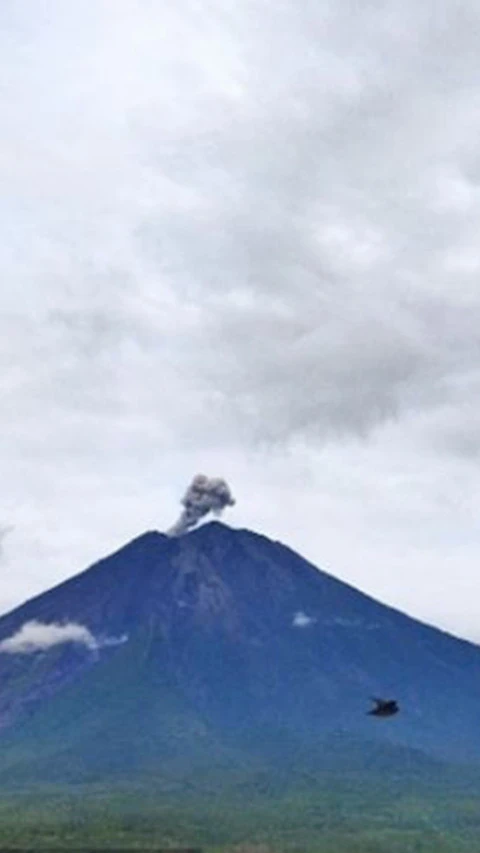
point(336, 817)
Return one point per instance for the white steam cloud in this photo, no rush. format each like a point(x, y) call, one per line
point(204, 495)
point(37, 636)
point(301, 620)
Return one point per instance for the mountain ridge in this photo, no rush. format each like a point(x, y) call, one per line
point(236, 650)
point(156, 537)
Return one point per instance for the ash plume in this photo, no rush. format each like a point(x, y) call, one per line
point(204, 495)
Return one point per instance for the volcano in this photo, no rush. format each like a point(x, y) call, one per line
point(236, 653)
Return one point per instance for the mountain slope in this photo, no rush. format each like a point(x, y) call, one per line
point(240, 654)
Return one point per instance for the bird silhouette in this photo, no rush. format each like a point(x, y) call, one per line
point(384, 707)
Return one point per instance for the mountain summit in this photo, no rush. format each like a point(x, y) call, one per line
point(222, 647)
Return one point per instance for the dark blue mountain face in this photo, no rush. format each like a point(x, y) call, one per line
point(236, 647)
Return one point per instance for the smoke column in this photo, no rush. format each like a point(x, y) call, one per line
point(204, 495)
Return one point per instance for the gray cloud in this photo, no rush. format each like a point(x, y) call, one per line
point(284, 213)
point(246, 237)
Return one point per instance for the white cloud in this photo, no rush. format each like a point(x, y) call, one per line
point(302, 620)
point(39, 636)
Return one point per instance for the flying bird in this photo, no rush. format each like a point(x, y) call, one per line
point(384, 707)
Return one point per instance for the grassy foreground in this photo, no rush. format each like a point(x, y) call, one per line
point(338, 817)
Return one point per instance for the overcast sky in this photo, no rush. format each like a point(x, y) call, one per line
point(242, 237)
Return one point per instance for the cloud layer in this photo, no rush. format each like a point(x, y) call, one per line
point(244, 237)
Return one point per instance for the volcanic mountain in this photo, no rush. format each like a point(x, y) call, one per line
point(234, 652)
